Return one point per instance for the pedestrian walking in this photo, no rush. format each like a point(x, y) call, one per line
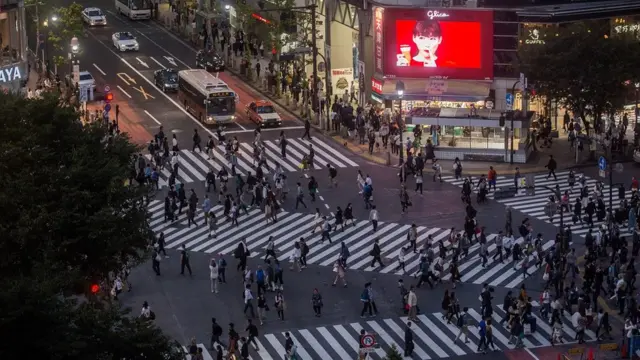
point(184, 261)
point(408, 340)
point(316, 302)
point(376, 254)
point(373, 217)
point(213, 274)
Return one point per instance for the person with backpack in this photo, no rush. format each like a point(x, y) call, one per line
point(376, 253)
point(326, 230)
point(462, 324)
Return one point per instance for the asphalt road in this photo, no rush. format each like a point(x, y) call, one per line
point(185, 304)
point(129, 75)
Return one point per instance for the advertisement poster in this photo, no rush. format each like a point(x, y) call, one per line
point(452, 44)
point(378, 48)
point(342, 79)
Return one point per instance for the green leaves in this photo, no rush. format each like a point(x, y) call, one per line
point(581, 67)
point(68, 221)
point(68, 24)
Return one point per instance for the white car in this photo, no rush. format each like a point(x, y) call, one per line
point(93, 16)
point(125, 41)
point(86, 80)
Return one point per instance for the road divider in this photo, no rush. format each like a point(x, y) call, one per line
point(157, 62)
point(124, 92)
point(100, 70)
point(152, 117)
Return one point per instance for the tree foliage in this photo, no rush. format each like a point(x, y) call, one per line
point(68, 220)
point(68, 25)
point(587, 71)
point(393, 354)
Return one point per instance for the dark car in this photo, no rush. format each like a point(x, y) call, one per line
point(166, 79)
point(209, 60)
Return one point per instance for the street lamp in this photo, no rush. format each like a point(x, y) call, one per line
point(400, 91)
point(54, 18)
point(75, 45)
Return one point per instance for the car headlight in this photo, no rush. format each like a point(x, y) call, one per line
point(233, 117)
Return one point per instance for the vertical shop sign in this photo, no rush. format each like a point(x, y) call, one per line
point(378, 48)
point(361, 75)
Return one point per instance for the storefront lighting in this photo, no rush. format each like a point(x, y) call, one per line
point(637, 85)
point(400, 88)
point(606, 36)
point(557, 34)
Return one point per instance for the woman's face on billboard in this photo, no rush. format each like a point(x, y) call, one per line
point(427, 44)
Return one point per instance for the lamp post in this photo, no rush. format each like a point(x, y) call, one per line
point(400, 91)
point(513, 93)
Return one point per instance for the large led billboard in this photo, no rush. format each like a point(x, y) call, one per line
point(445, 44)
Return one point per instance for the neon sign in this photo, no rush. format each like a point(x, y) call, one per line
point(434, 14)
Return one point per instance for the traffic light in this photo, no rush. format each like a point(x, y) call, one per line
point(95, 288)
point(502, 120)
point(108, 97)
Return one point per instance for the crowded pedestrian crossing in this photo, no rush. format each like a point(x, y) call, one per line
point(433, 337)
point(534, 205)
point(357, 237)
point(194, 165)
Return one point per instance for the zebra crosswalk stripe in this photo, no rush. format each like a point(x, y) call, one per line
point(534, 205)
point(255, 229)
point(433, 337)
point(194, 165)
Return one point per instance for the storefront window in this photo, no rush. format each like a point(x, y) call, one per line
point(10, 38)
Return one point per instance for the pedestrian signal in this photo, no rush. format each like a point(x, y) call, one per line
point(95, 288)
point(108, 97)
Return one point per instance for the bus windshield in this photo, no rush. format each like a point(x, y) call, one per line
point(221, 106)
point(140, 5)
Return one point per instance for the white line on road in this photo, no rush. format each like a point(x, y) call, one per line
point(124, 92)
point(157, 62)
point(156, 88)
point(242, 127)
point(153, 118)
point(271, 129)
point(101, 72)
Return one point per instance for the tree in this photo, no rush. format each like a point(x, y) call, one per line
point(68, 25)
point(68, 219)
point(393, 353)
point(586, 71)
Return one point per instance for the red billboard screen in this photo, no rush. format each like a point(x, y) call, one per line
point(448, 44)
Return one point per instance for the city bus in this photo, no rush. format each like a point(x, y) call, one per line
point(134, 9)
point(206, 97)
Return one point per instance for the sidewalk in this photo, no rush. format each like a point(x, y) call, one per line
point(128, 121)
point(559, 150)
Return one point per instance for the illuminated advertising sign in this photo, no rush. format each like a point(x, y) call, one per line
point(456, 44)
point(533, 38)
point(376, 85)
point(378, 28)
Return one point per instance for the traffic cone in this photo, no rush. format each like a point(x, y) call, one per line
point(590, 354)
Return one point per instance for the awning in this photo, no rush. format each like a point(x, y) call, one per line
point(437, 90)
point(578, 10)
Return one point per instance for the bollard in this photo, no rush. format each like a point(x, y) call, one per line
point(388, 158)
point(295, 104)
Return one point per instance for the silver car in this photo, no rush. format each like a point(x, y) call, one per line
point(125, 41)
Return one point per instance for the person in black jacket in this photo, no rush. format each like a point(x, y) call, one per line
point(552, 165)
point(244, 349)
point(376, 252)
point(216, 332)
point(408, 340)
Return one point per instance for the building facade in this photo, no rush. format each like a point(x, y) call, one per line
point(13, 56)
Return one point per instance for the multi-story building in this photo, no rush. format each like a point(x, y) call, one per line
point(13, 48)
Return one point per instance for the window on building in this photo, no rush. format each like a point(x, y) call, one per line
point(505, 28)
point(505, 42)
point(11, 47)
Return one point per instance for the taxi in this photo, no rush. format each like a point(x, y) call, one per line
point(263, 114)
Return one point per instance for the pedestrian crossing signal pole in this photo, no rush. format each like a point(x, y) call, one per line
point(400, 91)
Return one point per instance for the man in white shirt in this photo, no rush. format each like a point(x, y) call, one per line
point(248, 301)
point(373, 217)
